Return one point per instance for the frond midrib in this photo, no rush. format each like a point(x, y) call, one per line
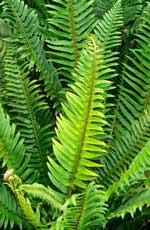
point(33, 122)
point(81, 143)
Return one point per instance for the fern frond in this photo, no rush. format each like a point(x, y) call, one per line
point(12, 149)
point(130, 106)
point(25, 25)
point(83, 211)
point(47, 195)
point(135, 80)
point(27, 210)
point(127, 147)
point(135, 171)
point(107, 29)
point(10, 215)
point(70, 23)
point(102, 6)
point(25, 102)
point(137, 201)
point(109, 35)
point(80, 129)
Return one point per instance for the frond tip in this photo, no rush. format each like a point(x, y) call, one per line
point(80, 129)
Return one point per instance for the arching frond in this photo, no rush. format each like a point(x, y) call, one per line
point(109, 35)
point(102, 6)
point(12, 149)
point(51, 197)
point(84, 211)
point(108, 29)
point(137, 201)
point(135, 172)
point(80, 129)
point(132, 102)
point(70, 22)
point(26, 102)
point(127, 147)
point(25, 25)
point(10, 215)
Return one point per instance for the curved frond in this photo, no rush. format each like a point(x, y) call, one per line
point(10, 215)
point(47, 195)
point(127, 147)
point(136, 170)
point(137, 201)
point(130, 106)
point(83, 211)
point(80, 129)
point(70, 22)
point(25, 25)
point(12, 149)
point(107, 29)
point(25, 102)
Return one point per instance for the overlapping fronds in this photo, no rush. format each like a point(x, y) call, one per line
point(132, 9)
point(135, 172)
point(12, 149)
point(108, 29)
point(51, 197)
point(70, 22)
point(25, 102)
point(127, 147)
point(80, 129)
point(83, 211)
point(137, 200)
point(25, 29)
point(102, 6)
point(134, 92)
point(132, 102)
point(109, 35)
point(10, 214)
point(27, 210)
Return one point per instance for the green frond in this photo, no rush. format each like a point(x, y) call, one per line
point(51, 197)
point(10, 215)
point(108, 32)
point(127, 147)
point(26, 102)
point(130, 107)
point(12, 149)
point(137, 201)
point(27, 210)
point(80, 129)
point(132, 9)
point(102, 6)
point(70, 22)
point(25, 28)
point(135, 79)
point(83, 211)
point(135, 171)
point(108, 29)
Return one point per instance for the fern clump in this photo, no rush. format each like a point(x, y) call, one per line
point(74, 114)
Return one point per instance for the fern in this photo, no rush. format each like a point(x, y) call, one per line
point(10, 213)
point(45, 194)
point(127, 147)
point(109, 35)
point(25, 25)
point(137, 201)
point(25, 101)
point(130, 106)
point(12, 149)
point(136, 170)
point(70, 22)
point(83, 211)
point(80, 128)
